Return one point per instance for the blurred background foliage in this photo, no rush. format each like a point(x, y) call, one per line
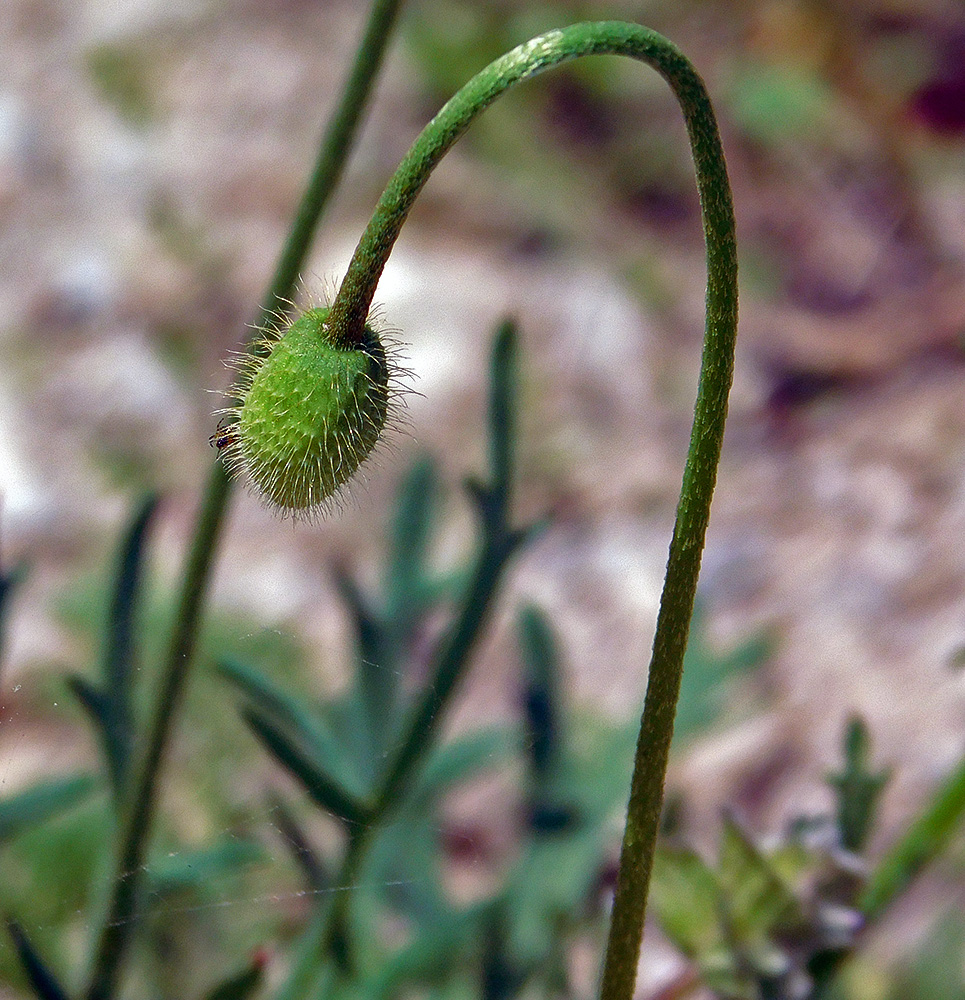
point(138, 234)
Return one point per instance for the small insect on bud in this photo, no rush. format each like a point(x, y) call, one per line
point(309, 414)
point(225, 435)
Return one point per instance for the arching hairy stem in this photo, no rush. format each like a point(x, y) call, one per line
point(347, 322)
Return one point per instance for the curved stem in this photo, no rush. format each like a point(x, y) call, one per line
point(136, 820)
point(351, 307)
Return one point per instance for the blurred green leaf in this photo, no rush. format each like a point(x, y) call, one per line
point(685, 896)
point(240, 986)
point(781, 103)
point(541, 687)
point(194, 869)
point(121, 72)
point(757, 902)
point(858, 788)
point(42, 981)
point(429, 959)
point(465, 757)
point(708, 676)
point(35, 805)
point(284, 712)
point(407, 565)
point(926, 839)
point(325, 789)
point(110, 706)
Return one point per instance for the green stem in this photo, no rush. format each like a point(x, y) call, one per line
point(334, 152)
point(326, 934)
point(347, 320)
point(136, 819)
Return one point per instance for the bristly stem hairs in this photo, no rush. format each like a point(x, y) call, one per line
point(343, 332)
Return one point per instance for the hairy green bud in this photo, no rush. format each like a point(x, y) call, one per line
point(308, 415)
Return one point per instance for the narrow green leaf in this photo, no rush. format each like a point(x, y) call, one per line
point(541, 698)
point(118, 663)
point(37, 804)
point(365, 622)
point(384, 638)
point(927, 837)
point(43, 982)
point(293, 715)
point(242, 985)
point(372, 703)
point(324, 789)
point(100, 707)
point(503, 377)
point(858, 789)
point(410, 538)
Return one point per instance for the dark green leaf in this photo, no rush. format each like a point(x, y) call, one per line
point(43, 982)
point(503, 377)
point(541, 700)
point(324, 789)
point(110, 707)
point(118, 664)
point(858, 788)
point(35, 805)
point(118, 654)
point(242, 985)
point(293, 715)
point(100, 707)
